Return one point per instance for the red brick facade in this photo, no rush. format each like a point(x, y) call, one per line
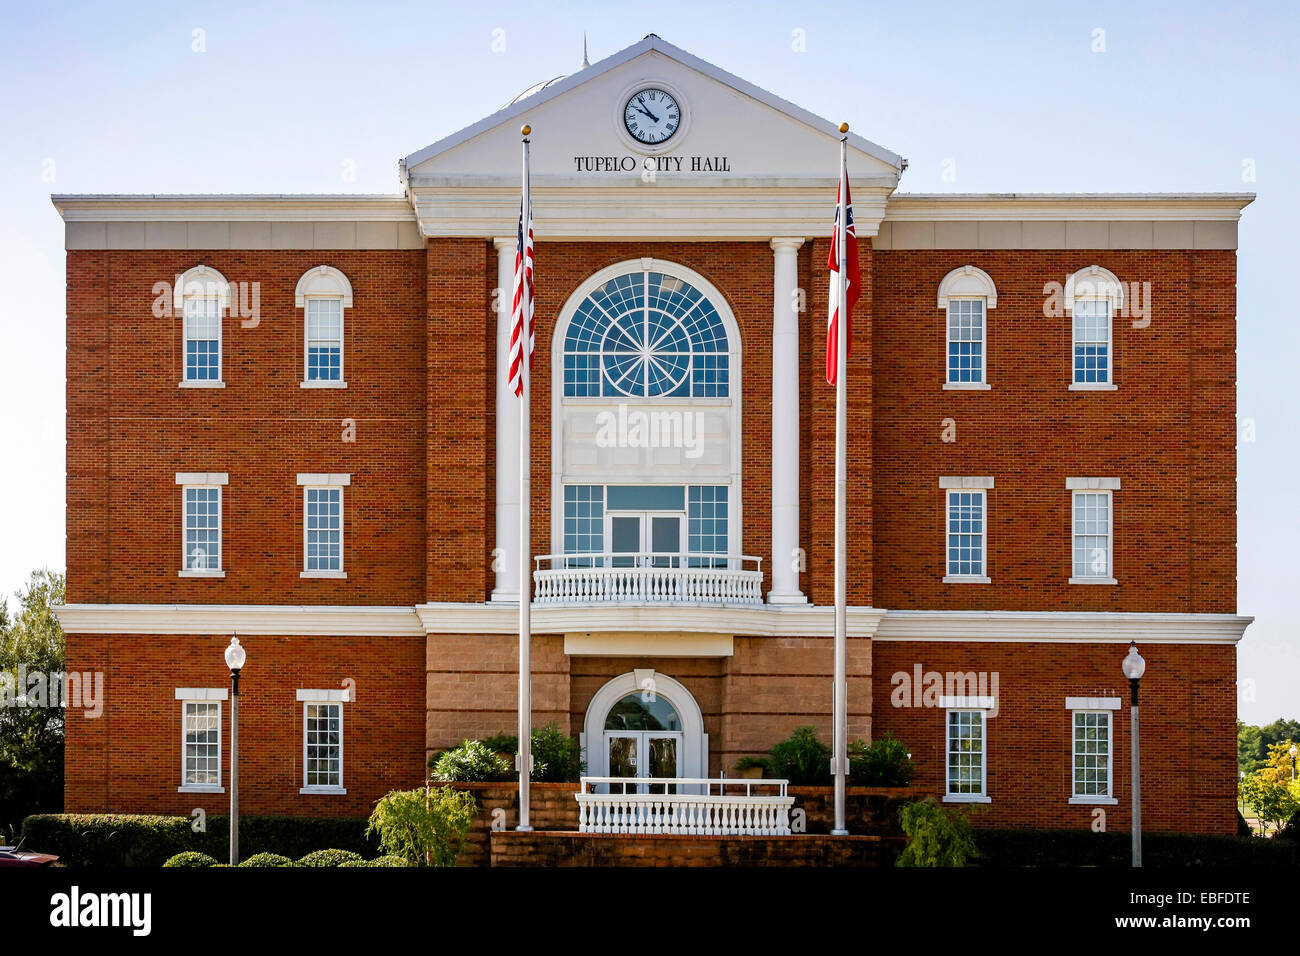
point(420, 514)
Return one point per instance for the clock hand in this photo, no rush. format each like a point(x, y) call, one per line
point(646, 111)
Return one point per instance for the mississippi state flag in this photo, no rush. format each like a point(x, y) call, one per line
point(522, 310)
point(854, 289)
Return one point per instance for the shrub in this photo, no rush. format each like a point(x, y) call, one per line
point(423, 827)
point(557, 757)
point(140, 840)
point(802, 759)
point(936, 836)
point(329, 858)
point(387, 860)
point(749, 763)
point(470, 762)
point(884, 762)
point(268, 859)
point(502, 743)
point(190, 859)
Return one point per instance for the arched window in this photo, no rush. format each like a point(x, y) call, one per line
point(646, 334)
point(1092, 297)
point(966, 294)
point(200, 296)
point(323, 293)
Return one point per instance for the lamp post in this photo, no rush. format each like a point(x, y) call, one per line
point(1134, 667)
point(1293, 751)
point(235, 657)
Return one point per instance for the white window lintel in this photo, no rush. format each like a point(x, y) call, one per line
point(968, 282)
point(202, 478)
point(324, 480)
point(1092, 703)
point(202, 693)
point(1092, 484)
point(968, 703)
point(324, 696)
point(956, 482)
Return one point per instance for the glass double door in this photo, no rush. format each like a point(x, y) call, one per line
point(646, 538)
point(643, 753)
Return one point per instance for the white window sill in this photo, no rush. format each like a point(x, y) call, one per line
point(966, 386)
point(966, 579)
point(323, 384)
point(1093, 387)
point(1093, 581)
point(966, 798)
point(337, 575)
point(200, 788)
point(194, 573)
point(325, 790)
point(1093, 801)
point(202, 383)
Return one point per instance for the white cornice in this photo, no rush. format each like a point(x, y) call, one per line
point(1154, 207)
point(242, 618)
point(233, 208)
point(1068, 627)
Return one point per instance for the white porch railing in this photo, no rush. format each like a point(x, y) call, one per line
point(648, 578)
point(738, 813)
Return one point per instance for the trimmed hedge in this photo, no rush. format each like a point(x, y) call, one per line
point(267, 859)
point(1057, 848)
point(191, 860)
point(330, 857)
point(141, 840)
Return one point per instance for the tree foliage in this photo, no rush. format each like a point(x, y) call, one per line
point(423, 827)
point(31, 737)
point(936, 836)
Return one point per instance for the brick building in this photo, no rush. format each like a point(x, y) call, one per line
point(288, 419)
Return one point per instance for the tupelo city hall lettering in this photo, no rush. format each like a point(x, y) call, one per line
point(659, 164)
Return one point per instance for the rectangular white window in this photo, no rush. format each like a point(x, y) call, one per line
point(322, 754)
point(201, 744)
point(965, 341)
point(1092, 536)
point(202, 528)
point(966, 535)
point(325, 340)
point(966, 770)
point(202, 339)
point(1091, 342)
point(1092, 754)
point(324, 529)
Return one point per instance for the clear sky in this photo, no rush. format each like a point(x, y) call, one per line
point(299, 97)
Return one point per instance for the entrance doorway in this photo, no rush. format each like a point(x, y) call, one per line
point(645, 538)
point(643, 738)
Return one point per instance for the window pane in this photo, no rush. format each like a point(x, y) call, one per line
point(324, 745)
point(202, 739)
point(584, 522)
point(1091, 754)
point(1091, 341)
point(203, 529)
point(324, 529)
point(706, 519)
point(966, 752)
point(966, 532)
point(966, 340)
point(1091, 546)
point(324, 340)
point(202, 339)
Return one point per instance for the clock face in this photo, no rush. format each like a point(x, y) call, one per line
point(652, 116)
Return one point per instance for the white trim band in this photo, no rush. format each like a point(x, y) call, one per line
point(1092, 484)
point(328, 481)
point(968, 703)
point(324, 696)
point(202, 693)
point(1092, 703)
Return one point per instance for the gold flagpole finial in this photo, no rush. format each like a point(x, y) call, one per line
point(844, 127)
point(526, 129)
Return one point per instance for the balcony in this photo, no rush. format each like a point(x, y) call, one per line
point(648, 578)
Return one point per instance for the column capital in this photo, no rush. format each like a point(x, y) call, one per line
point(504, 242)
point(786, 242)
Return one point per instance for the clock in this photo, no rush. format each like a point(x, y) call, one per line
point(652, 115)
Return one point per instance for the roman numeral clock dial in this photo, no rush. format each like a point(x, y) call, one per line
point(652, 116)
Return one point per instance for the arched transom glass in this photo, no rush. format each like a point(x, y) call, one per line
point(643, 711)
point(646, 335)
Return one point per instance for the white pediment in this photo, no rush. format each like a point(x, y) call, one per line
point(734, 138)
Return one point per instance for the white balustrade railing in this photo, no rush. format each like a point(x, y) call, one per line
point(741, 812)
point(648, 578)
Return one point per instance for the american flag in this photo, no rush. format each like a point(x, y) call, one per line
point(854, 289)
point(523, 304)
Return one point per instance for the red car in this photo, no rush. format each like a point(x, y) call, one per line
point(16, 856)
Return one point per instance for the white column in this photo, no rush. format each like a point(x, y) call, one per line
point(785, 424)
point(505, 557)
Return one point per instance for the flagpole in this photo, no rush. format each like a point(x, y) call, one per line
point(525, 758)
point(840, 715)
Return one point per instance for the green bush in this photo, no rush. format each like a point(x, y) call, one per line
point(190, 859)
point(268, 859)
point(471, 762)
point(936, 836)
point(330, 858)
point(557, 757)
point(502, 743)
point(884, 762)
point(423, 827)
point(802, 759)
point(387, 860)
point(1056, 848)
point(138, 840)
point(749, 763)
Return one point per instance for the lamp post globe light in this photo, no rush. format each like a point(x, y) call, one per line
point(235, 657)
point(1134, 667)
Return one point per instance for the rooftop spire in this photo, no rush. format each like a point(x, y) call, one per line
point(585, 64)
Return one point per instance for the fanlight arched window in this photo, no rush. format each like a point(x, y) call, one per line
point(645, 334)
